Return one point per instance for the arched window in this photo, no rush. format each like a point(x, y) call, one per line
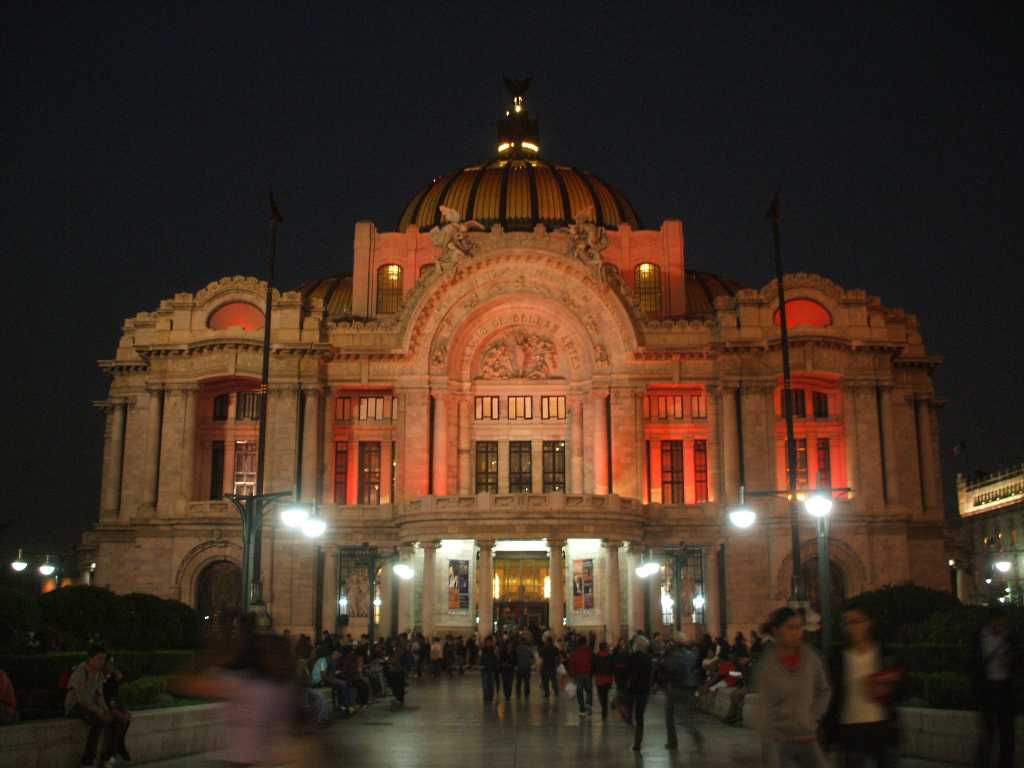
point(389, 289)
point(648, 287)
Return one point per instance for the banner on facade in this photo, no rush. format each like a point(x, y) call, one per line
point(583, 584)
point(458, 585)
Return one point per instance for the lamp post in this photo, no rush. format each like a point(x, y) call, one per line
point(48, 564)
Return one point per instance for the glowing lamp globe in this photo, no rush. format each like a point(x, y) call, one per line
point(47, 569)
point(314, 527)
point(818, 505)
point(698, 602)
point(742, 517)
point(1003, 566)
point(19, 564)
point(645, 570)
point(403, 571)
point(294, 516)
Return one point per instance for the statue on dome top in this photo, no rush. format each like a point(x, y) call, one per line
point(453, 238)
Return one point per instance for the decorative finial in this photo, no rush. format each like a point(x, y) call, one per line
point(517, 133)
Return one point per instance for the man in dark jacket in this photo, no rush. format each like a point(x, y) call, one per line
point(581, 662)
point(488, 669)
point(677, 674)
point(524, 666)
point(549, 667)
point(639, 673)
point(996, 657)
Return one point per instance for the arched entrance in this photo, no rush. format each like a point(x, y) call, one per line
point(219, 595)
point(837, 592)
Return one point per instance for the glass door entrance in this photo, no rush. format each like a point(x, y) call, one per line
point(521, 591)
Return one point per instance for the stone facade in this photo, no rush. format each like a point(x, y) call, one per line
point(558, 382)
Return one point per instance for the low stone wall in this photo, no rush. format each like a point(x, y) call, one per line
point(943, 735)
point(155, 734)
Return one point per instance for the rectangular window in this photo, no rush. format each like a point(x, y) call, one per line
point(341, 472)
point(487, 466)
point(247, 406)
point(698, 407)
point(220, 407)
point(520, 466)
point(671, 471)
point(520, 407)
point(554, 465)
point(819, 402)
point(217, 471)
point(486, 407)
point(369, 473)
point(801, 462)
point(343, 409)
point(700, 471)
point(663, 407)
point(552, 407)
point(375, 408)
point(824, 464)
point(799, 404)
point(245, 467)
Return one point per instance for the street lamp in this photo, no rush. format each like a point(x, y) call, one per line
point(1003, 566)
point(47, 568)
point(742, 516)
point(19, 564)
point(403, 571)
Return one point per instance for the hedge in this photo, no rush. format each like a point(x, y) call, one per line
point(43, 671)
point(143, 692)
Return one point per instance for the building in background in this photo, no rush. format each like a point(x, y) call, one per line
point(523, 393)
point(991, 556)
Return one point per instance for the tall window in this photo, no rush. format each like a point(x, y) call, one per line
point(799, 403)
point(369, 473)
point(698, 407)
point(648, 287)
point(552, 407)
point(672, 471)
point(245, 467)
point(377, 407)
point(220, 407)
point(819, 402)
point(520, 467)
point(341, 473)
point(247, 406)
point(663, 407)
point(487, 466)
point(486, 407)
point(801, 462)
point(700, 471)
point(520, 407)
point(554, 465)
point(343, 409)
point(389, 288)
point(824, 479)
point(217, 471)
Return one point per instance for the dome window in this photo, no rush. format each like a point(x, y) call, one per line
point(236, 314)
point(804, 312)
point(647, 278)
point(389, 289)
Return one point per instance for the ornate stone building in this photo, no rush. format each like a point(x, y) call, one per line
point(522, 393)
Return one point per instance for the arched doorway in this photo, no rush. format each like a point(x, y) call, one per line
point(837, 593)
point(219, 596)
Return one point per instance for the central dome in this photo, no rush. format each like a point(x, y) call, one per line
point(517, 189)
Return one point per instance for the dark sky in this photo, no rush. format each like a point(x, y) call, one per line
point(138, 145)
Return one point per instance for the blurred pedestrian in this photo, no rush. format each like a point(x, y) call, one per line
point(8, 701)
point(604, 675)
point(581, 663)
point(862, 718)
point(639, 672)
point(794, 690)
point(488, 669)
point(677, 674)
point(996, 655)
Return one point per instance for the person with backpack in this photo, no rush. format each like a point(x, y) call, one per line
point(677, 675)
point(604, 675)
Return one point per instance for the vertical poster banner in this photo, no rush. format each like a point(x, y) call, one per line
point(583, 584)
point(458, 585)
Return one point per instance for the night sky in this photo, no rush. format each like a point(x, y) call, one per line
point(139, 143)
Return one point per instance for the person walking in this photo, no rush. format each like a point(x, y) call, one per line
point(862, 718)
point(677, 673)
point(524, 666)
point(549, 658)
point(488, 669)
point(794, 696)
point(604, 675)
point(581, 662)
point(507, 667)
point(995, 656)
point(639, 671)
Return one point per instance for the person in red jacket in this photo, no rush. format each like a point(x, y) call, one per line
point(604, 676)
point(8, 701)
point(581, 663)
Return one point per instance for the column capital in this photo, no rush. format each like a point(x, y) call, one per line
point(425, 545)
point(314, 389)
point(611, 543)
point(155, 387)
point(556, 542)
point(485, 544)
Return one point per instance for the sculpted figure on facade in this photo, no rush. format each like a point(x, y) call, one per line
point(539, 356)
point(519, 356)
point(498, 362)
point(453, 238)
point(586, 239)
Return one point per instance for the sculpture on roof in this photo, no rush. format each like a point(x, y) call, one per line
point(453, 238)
point(586, 239)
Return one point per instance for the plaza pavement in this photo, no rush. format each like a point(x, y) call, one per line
point(445, 724)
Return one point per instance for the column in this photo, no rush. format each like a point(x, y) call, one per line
point(503, 484)
point(556, 572)
point(440, 468)
point(465, 457)
point(613, 609)
point(485, 579)
point(386, 470)
point(385, 626)
point(850, 433)
point(154, 413)
point(537, 465)
point(188, 445)
point(635, 589)
point(600, 428)
point(169, 475)
point(429, 581)
point(627, 455)
point(712, 593)
point(869, 447)
point(730, 447)
point(892, 474)
point(329, 604)
point(414, 464)
point(713, 451)
point(758, 446)
point(926, 454)
point(310, 443)
point(111, 491)
point(576, 444)
point(405, 593)
point(654, 471)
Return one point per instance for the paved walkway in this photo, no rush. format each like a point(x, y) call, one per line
point(445, 723)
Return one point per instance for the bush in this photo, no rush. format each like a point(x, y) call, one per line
point(943, 690)
point(895, 607)
point(150, 622)
point(40, 672)
point(142, 692)
point(19, 615)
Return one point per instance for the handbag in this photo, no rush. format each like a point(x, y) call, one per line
point(570, 688)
